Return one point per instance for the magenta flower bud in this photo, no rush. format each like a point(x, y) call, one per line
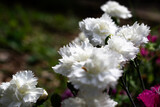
point(144, 52)
point(152, 38)
point(149, 37)
point(67, 93)
point(158, 61)
point(122, 92)
point(114, 91)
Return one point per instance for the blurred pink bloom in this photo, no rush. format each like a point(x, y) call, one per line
point(158, 61)
point(67, 93)
point(114, 91)
point(150, 98)
point(152, 38)
point(152, 53)
point(122, 92)
point(144, 52)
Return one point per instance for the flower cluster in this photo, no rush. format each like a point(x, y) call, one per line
point(21, 91)
point(93, 62)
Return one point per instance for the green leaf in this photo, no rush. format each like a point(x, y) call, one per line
point(106, 40)
point(71, 87)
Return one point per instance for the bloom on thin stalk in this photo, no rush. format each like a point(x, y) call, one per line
point(114, 9)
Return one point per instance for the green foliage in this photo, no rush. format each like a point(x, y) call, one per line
point(30, 31)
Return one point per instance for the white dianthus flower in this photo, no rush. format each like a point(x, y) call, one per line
point(100, 70)
point(114, 9)
point(95, 98)
point(71, 54)
point(3, 87)
point(102, 100)
point(73, 102)
point(89, 92)
point(87, 65)
point(81, 38)
point(136, 33)
point(21, 91)
point(97, 29)
point(125, 48)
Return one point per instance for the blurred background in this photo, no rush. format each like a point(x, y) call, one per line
point(32, 31)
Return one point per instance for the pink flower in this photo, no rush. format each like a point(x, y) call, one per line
point(152, 53)
point(152, 38)
point(122, 92)
point(158, 61)
point(150, 98)
point(114, 91)
point(67, 93)
point(144, 52)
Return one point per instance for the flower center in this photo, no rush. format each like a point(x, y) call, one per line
point(84, 69)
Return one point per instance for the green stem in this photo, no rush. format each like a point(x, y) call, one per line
point(127, 91)
point(139, 74)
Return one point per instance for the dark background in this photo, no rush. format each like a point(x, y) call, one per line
point(79, 7)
